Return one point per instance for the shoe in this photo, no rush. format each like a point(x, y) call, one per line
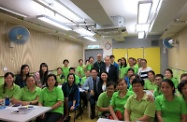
point(92, 117)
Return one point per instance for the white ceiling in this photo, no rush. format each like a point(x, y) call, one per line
point(100, 12)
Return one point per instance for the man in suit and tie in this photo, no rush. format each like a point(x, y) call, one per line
point(111, 69)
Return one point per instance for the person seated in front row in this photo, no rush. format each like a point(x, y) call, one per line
point(91, 88)
point(51, 96)
point(70, 90)
point(138, 107)
point(29, 94)
point(9, 88)
point(72, 71)
point(118, 100)
point(158, 79)
point(170, 107)
point(104, 99)
point(150, 83)
point(103, 81)
point(131, 78)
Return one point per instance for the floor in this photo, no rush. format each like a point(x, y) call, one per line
point(85, 117)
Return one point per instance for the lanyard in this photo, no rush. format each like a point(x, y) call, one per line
point(99, 65)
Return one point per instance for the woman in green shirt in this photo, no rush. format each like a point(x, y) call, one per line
point(168, 74)
point(169, 107)
point(158, 79)
point(119, 99)
point(9, 88)
point(182, 88)
point(122, 68)
point(29, 94)
point(51, 96)
point(150, 83)
point(138, 107)
point(89, 63)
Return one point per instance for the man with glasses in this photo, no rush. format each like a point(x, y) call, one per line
point(104, 100)
point(158, 79)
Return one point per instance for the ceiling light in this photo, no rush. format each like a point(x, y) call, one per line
point(59, 7)
point(144, 9)
point(141, 35)
point(83, 31)
point(142, 27)
point(13, 12)
point(53, 22)
point(91, 39)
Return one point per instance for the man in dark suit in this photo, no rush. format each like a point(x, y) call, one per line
point(99, 64)
point(111, 69)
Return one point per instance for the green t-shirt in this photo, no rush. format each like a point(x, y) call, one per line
point(140, 108)
point(135, 69)
point(123, 72)
point(83, 80)
point(65, 72)
point(77, 79)
point(136, 65)
point(171, 110)
point(157, 92)
point(174, 80)
point(150, 86)
point(9, 92)
point(103, 101)
point(80, 70)
point(60, 80)
point(89, 67)
point(118, 103)
point(49, 98)
point(26, 95)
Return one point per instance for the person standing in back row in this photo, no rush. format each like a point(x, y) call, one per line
point(110, 69)
point(99, 64)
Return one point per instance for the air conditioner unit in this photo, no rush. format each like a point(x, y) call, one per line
point(117, 31)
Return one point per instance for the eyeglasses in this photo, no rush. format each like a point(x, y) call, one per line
point(111, 89)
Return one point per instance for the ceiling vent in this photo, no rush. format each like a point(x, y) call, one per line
point(117, 30)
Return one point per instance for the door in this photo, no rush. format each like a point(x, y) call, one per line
point(152, 55)
point(119, 53)
point(93, 52)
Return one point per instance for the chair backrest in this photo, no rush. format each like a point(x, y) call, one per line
point(78, 99)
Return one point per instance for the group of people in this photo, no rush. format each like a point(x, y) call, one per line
point(118, 89)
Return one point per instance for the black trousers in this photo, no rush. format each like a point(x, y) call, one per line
point(50, 117)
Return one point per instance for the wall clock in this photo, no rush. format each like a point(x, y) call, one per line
point(108, 46)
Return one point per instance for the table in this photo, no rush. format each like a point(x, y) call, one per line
point(9, 114)
point(107, 120)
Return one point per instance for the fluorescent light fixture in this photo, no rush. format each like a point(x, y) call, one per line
point(13, 12)
point(144, 9)
point(53, 22)
point(91, 39)
point(60, 8)
point(142, 27)
point(83, 31)
point(141, 35)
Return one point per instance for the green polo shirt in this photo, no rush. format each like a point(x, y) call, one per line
point(118, 103)
point(49, 98)
point(83, 80)
point(149, 85)
point(65, 72)
point(26, 95)
point(9, 92)
point(59, 80)
point(157, 92)
point(140, 108)
point(103, 101)
point(77, 79)
point(135, 69)
point(175, 81)
point(80, 70)
point(171, 110)
point(123, 72)
point(89, 67)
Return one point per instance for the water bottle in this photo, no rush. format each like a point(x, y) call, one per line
point(7, 101)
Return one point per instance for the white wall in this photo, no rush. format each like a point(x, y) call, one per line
point(101, 43)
